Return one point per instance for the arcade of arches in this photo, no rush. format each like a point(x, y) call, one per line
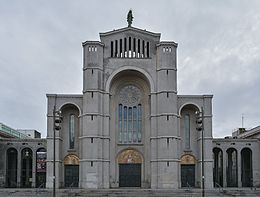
point(20, 166)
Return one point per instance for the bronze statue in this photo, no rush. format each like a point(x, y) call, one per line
point(130, 18)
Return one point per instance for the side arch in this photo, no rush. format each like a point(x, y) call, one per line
point(186, 104)
point(70, 103)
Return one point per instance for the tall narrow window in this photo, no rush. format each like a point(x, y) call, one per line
point(135, 123)
point(147, 50)
point(138, 48)
point(143, 49)
point(72, 131)
point(116, 49)
point(187, 131)
point(130, 124)
point(139, 123)
point(120, 118)
point(112, 48)
point(125, 48)
point(134, 48)
point(120, 49)
point(130, 47)
point(125, 124)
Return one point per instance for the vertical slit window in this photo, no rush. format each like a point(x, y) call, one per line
point(116, 49)
point(112, 48)
point(139, 123)
point(143, 49)
point(130, 47)
point(72, 131)
point(130, 124)
point(187, 130)
point(120, 48)
point(125, 124)
point(138, 48)
point(125, 47)
point(147, 50)
point(135, 124)
point(134, 48)
point(120, 122)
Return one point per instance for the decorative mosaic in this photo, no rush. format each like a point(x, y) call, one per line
point(187, 159)
point(71, 160)
point(129, 156)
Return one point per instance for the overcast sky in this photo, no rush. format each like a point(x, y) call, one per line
point(218, 52)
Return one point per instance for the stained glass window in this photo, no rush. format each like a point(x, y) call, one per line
point(130, 115)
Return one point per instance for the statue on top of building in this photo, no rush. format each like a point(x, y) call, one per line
point(130, 18)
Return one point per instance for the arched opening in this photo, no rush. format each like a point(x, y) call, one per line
point(218, 167)
point(188, 127)
point(41, 167)
point(71, 171)
point(26, 168)
point(11, 170)
point(231, 167)
point(246, 167)
point(70, 126)
point(188, 170)
point(129, 123)
point(130, 168)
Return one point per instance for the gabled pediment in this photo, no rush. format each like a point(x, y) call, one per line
point(130, 30)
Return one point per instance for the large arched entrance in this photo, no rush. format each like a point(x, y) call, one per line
point(246, 167)
point(71, 171)
point(11, 170)
point(188, 171)
point(130, 168)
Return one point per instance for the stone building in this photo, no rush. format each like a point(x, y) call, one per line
point(129, 128)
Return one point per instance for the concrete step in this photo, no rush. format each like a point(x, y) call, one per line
point(226, 192)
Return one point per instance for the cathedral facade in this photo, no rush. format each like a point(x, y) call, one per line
point(129, 128)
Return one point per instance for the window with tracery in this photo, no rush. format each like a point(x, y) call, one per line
point(130, 115)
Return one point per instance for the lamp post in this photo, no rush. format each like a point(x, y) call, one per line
point(200, 127)
point(56, 127)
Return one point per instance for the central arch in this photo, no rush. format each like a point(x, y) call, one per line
point(129, 107)
point(130, 68)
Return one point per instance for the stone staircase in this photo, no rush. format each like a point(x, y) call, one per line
point(225, 192)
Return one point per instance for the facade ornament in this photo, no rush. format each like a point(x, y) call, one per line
point(130, 18)
point(130, 95)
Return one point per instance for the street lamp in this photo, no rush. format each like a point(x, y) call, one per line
point(57, 118)
point(200, 127)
